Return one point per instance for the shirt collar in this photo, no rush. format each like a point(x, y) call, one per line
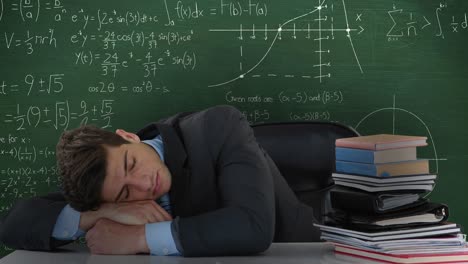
point(157, 144)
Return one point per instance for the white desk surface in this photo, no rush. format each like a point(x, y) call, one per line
point(284, 253)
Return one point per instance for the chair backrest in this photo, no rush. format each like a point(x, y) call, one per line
point(305, 154)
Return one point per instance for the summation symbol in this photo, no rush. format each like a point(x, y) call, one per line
point(409, 24)
point(323, 35)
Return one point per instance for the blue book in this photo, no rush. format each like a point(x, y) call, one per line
point(412, 167)
point(375, 156)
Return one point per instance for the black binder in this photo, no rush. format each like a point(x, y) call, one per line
point(433, 213)
point(361, 202)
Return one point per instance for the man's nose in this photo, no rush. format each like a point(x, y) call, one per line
point(141, 182)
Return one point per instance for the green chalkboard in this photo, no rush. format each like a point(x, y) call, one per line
point(376, 65)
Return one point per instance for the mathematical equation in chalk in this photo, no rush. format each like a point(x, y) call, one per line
point(33, 85)
point(31, 11)
point(24, 182)
point(411, 24)
point(113, 63)
point(61, 115)
point(257, 116)
point(27, 153)
point(288, 97)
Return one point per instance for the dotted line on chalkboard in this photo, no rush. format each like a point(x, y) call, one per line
point(285, 76)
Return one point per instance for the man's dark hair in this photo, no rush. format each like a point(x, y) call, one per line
point(81, 161)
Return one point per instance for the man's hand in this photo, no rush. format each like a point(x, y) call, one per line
point(127, 213)
point(136, 213)
point(111, 238)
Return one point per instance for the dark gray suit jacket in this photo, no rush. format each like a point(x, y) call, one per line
point(227, 194)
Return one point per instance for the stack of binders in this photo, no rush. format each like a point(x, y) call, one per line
point(380, 207)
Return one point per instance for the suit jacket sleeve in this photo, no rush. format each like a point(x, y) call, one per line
point(245, 223)
point(29, 224)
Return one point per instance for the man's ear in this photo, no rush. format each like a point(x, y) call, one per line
point(127, 135)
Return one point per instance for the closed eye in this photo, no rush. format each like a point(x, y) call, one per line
point(128, 192)
point(126, 170)
point(133, 164)
point(131, 169)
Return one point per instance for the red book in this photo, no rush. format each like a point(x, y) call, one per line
point(381, 142)
point(450, 256)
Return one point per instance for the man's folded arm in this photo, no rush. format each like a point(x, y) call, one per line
point(159, 236)
point(30, 223)
point(161, 239)
point(67, 226)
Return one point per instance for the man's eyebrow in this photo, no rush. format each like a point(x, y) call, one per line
point(125, 175)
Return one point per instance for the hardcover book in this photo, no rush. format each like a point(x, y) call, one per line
point(384, 169)
point(381, 142)
point(375, 156)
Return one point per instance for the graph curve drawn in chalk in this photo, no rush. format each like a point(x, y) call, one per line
point(278, 31)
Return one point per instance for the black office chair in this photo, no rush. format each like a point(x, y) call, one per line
point(305, 154)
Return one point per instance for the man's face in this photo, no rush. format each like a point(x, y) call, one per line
point(134, 172)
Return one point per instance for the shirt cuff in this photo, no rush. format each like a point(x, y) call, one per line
point(67, 225)
point(160, 240)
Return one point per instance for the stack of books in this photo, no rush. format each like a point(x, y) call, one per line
point(381, 210)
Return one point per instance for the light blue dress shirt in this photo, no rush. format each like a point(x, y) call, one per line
point(158, 235)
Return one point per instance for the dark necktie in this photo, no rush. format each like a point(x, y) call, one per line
point(165, 203)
